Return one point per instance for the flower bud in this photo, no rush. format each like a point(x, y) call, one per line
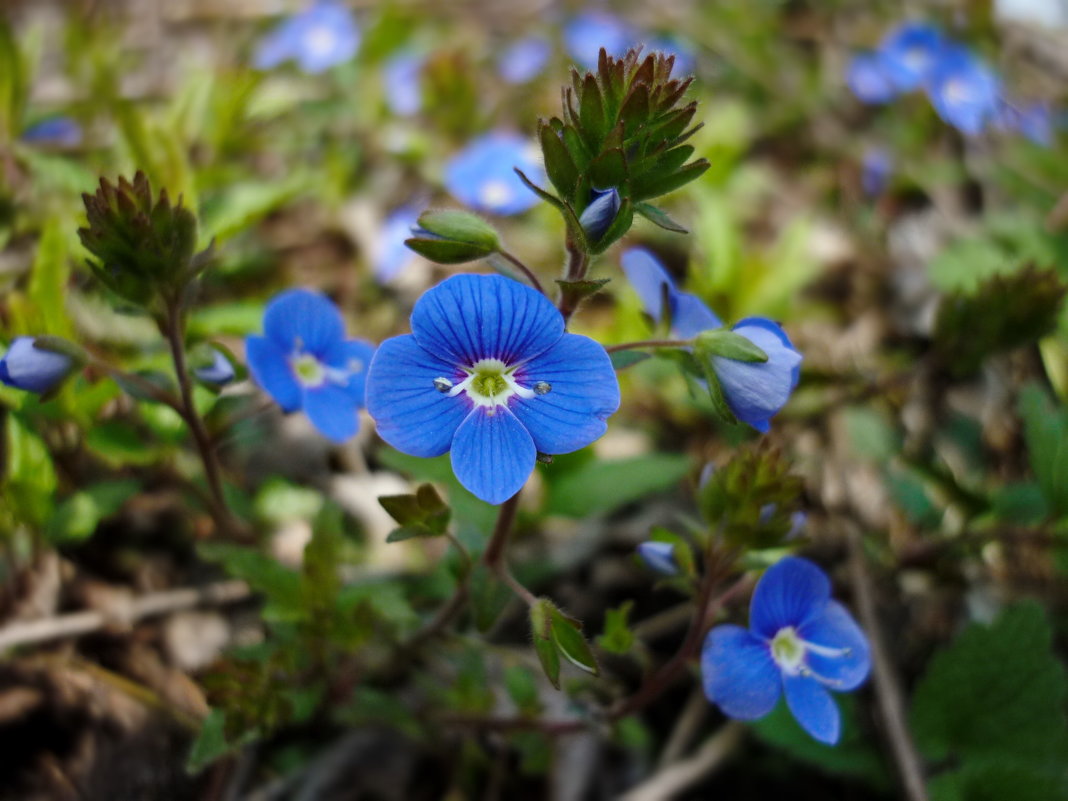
point(30, 366)
point(599, 215)
point(659, 557)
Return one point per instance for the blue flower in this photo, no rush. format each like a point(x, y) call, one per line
point(754, 391)
point(482, 175)
point(684, 52)
point(524, 59)
point(1034, 121)
point(688, 313)
point(390, 254)
point(586, 34)
point(799, 642)
point(56, 131)
point(305, 362)
point(220, 372)
point(602, 210)
point(659, 557)
point(28, 367)
point(909, 54)
point(322, 36)
point(869, 79)
point(876, 166)
point(489, 374)
point(402, 79)
point(963, 90)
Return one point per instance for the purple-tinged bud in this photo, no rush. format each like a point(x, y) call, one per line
point(659, 557)
point(216, 370)
point(600, 213)
point(32, 368)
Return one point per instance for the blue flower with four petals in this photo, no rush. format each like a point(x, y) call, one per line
point(799, 643)
point(482, 175)
point(318, 38)
point(489, 374)
point(524, 59)
point(305, 362)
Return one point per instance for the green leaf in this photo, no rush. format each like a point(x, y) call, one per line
point(609, 170)
point(621, 224)
point(570, 641)
point(30, 479)
point(280, 585)
point(522, 689)
point(870, 435)
point(617, 637)
point(1046, 433)
point(210, 744)
point(119, 444)
point(998, 779)
point(654, 184)
point(442, 251)
point(622, 359)
point(583, 289)
point(77, 517)
point(559, 166)
point(728, 345)
point(423, 514)
point(715, 392)
point(658, 216)
point(599, 487)
point(455, 225)
point(996, 692)
point(544, 646)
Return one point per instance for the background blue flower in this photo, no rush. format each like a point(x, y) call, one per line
point(799, 642)
point(58, 131)
point(659, 557)
point(963, 90)
point(909, 54)
point(305, 362)
point(869, 79)
point(482, 175)
point(876, 167)
point(33, 369)
point(390, 254)
point(587, 33)
point(219, 372)
point(402, 81)
point(524, 59)
point(489, 374)
point(322, 36)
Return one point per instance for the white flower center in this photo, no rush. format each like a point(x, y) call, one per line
point(490, 383)
point(790, 651)
point(916, 59)
point(308, 370)
point(320, 40)
point(495, 193)
point(956, 91)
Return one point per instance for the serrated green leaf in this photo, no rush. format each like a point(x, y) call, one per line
point(659, 217)
point(654, 184)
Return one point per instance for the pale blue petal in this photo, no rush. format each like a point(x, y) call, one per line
point(410, 413)
point(813, 707)
point(219, 372)
point(333, 411)
point(584, 393)
point(492, 454)
point(659, 557)
point(910, 52)
point(33, 369)
point(600, 213)
point(482, 174)
point(869, 79)
point(649, 279)
point(690, 316)
point(351, 358)
point(836, 629)
point(472, 317)
point(587, 33)
point(755, 391)
point(738, 673)
point(305, 317)
point(790, 593)
point(964, 91)
point(391, 255)
point(269, 367)
point(524, 59)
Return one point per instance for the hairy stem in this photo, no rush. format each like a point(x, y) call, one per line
point(526, 271)
point(494, 555)
point(578, 262)
point(650, 343)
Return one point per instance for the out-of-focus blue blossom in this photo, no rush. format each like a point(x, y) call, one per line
point(59, 131)
point(756, 391)
point(390, 255)
point(799, 642)
point(524, 59)
point(402, 80)
point(220, 372)
point(876, 167)
point(482, 176)
point(909, 54)
point(305, 362)
point(869, 79)
point(963, 90)
point(318, 38)
point(586, 34)
point(659, 557)
point(688, 313)
point(28, 367)
point(1034, 121)
point(489, 374)
point(685, 54)
point(602, 210)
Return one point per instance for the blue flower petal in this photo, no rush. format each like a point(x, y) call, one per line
point(492, 454)
point(351, 357)
point(523, 60)
point(481, 175)
point(299, 319)
point(738, 673)
point(402, 82)
point(58, 131)
point(332, 410)
point(813, 707)
point(600, 213)
point(869, 78)
point(690, 316)
point(391, 255)
point(648, 277)
point(755, 391)
point(964, 91)
point(467, 318)
point(659, 557)
point(269, 366)
point(219, 372)
point(411, 414)
point(836, 629)
point(910, 52)
point(33, 369)
point(584, 393)
point(791, 592)
point(587, 33)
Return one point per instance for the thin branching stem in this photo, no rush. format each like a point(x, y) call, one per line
point(526, 271)
point(650, 343)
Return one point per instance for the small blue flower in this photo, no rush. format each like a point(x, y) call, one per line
point(688, 313)
point(685, 54)
point(876, 167)
point(318, 38)
point(869, 79)
point(602, 210)
point(659, 557)
point(390, 255)
point(482, 175)
point(1034, 121)
point(909, 54)
point(305, 362)
point(220, 372)
point(963, 90)
point(799, 642)
point(28, 367)
point(55, 131)
point(586, 34)
point(489, 374)
point(524, 59)
point(402, 78)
